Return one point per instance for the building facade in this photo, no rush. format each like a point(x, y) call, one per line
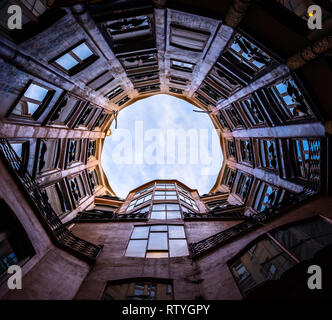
point(64, 78)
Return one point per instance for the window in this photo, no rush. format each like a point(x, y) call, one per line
point(143, 59)
point(74, 151)
point(101, 80)
point(143, 212)
point(251, 110)
point(92, 179)
point(188, 201)
point(178, 80)
point(243, 186)
point(217, 204)
point(268, 154)
point(65, 110)
point(289, 100)
point(15, 246)
point(86, 116)
point(266, 197)
point(22, 150)
point(189, 39)
point(212, 92)
point(234, 117)
point(248, 56)
point(157, 241)
point(127, 27)
point(140, 289)
point(307, 155)
point(148, 88)
point(227, 81)
point(203, 99)
point(182, 66)
point(165, 185)
point(58, 198)
point(245, 151)
point(223, 120)
point(100, 120)
point(139, 201)
point(77, 188)
point(303, 240)
point(114, 93)
point(279, 250)
point(165, 211)
point(122, 101)
point(140, 78)
point(228, 178)
point(75, 59)
point(48, 154)
point(92, 148)
point(175, 90)
point(34, 99)
point(165, 195)
point(183, 190)
point(231, 149)
point(144, 190)
point(252, 269)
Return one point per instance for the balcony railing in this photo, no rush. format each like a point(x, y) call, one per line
point(97, 215)
point(206, 245)
point(230, 212)
point(38, 199)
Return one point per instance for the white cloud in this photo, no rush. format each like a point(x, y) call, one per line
point(161, 112)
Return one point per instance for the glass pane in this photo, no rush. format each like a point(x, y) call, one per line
point(82, 51)
point(173, 206)
point(178, 248)
point(158, 215)
point(159, 228)
point(67, 61)
point(305, 239)
point(156, 254)
point(140, 233)
point(173, 215)
point(171, 197)
point(17, 148)
point(176, 232)
point(160, 206)
point(136, 248)
point(159, 197)
point(262, 262)
point(36, 92)
point(32, 107)
point(158, 241)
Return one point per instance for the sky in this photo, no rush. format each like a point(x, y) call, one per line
point(160, 137)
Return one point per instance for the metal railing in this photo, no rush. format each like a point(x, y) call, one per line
point(292, 201)
point(97, 215)
point(59, 234)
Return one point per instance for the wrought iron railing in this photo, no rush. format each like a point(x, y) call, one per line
point(206, 245)
point(231, 212)
point(59, 234)
point(97, 215)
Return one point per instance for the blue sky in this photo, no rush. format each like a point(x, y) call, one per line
point(141, 148)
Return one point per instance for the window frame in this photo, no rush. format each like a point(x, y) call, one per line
point(82, 64)
point(42, 105)
point(147, 238)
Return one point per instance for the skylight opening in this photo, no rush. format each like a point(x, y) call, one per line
point(161, 137)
